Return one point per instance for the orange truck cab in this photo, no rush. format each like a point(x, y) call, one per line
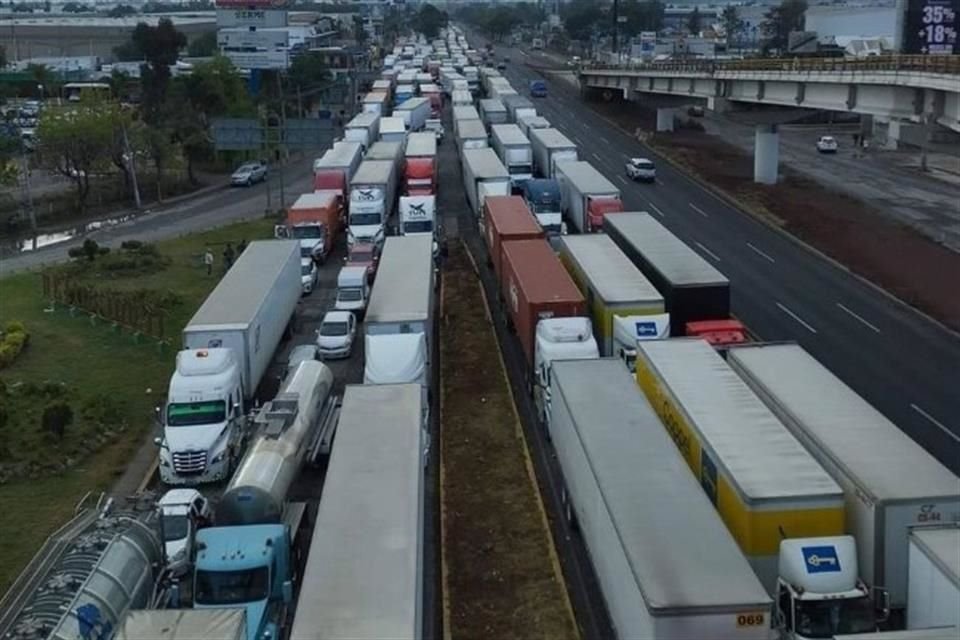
point(315, 220)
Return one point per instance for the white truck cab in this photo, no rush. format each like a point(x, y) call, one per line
point(418, 215)
point(353, 289)
point(367, 208)
point(559, 339)
point(629, 330)
point(182, 512)
point(202, 418)
point(819, 592)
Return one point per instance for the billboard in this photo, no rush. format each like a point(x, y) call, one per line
point(246, 40)
point(259, 59)
point(246, 17)
point(930, 27)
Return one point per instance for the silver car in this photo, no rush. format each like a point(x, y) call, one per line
point(248, 174)
point(336, 335)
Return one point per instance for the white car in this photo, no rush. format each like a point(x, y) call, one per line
point(827, 144)
point(182, 512)
point(308, 274)
point(641, 169)
point(336, 334)
point(248, 174)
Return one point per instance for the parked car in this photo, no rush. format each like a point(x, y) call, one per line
point(248, 174)
point(308, 274)
point(827, 144)
point(641, 169)
point(300, 353)
point(336, 334)
point(182, 511)
point(364, 254)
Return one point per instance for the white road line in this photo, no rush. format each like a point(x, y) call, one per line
point(797, 318)
point(658, 182)
point(622, 179)
point(599, 159)
point(936, 422)
point(657, 211)
point(708, 252)
point(760, 253)
point(698, 210)
point(858, 317)
point(604, 140)
point(577, 140)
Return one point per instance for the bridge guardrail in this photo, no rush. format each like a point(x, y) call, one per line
point(931, 64)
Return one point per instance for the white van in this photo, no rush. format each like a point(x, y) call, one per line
point(353, 290)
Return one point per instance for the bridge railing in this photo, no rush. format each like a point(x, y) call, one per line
point(930, 64)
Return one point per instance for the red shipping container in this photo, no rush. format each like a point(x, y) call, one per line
point(506, 218)
point(535, 286)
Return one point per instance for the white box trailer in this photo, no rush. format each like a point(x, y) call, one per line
point(385, 150)
point(421, 145)
point(376, 102)
point(586, 195)
point(414, 112)
point(518, 107)
point(764, 483)
point(549, 147)
point(183, 624)
point(934, 577)
point(364, 573)
point(461, 99)
point(492, 112)
point(472, 134)
point(667, 567)
point(343, 156)
point(514, 151)
point(393, 129)
point(464, 114)
point(363, 128)
point(483, 175)
point(526, 123)
point(890, 482)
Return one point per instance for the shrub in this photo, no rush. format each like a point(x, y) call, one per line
point(90, 249)
point(131, 245)
point(56, 418)
point(15, 326)
point(7, 355)
point(14, 339)
point(76, 252)
point(102, 251)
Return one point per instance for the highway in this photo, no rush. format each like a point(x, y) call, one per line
point(903, 363)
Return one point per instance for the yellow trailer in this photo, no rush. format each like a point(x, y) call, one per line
point(610, 282)
point(764, 483)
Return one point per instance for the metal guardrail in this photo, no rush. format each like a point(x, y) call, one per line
point(949, 65)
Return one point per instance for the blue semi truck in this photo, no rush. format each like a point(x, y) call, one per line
point(538, 89)
point(543, 198)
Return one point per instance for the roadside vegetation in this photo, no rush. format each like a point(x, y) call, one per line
point(77, 400)
point(501, 578)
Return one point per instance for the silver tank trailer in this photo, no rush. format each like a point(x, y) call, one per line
point(286, 427)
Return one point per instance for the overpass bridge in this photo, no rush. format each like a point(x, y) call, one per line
point(913, 98)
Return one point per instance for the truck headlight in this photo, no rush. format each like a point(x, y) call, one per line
point(219, 457)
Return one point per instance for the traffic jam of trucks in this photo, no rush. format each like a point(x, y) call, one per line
point(718, 486)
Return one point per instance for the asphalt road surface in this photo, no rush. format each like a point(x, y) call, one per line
point(903, 363)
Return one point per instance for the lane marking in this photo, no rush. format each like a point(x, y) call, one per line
point(597, 157)
point(605, 141)
point(657, 211)
point(658, 182)
point(797, 318)
point(577, 140)
point(858, 317)
point(699, 210)
point(622, 179)
point(708, 252)
point(760, 253)
point(936, 422)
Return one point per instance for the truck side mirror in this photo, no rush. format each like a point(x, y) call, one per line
point(287, 591)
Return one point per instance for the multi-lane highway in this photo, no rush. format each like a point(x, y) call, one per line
point(902, 362)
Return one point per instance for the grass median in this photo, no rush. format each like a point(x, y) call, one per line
point(109, 379)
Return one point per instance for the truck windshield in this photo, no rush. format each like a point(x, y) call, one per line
point(364, 218)
point(418, 226)
point(308, 232)
point(544, 206)
point(231, 587)
point(175, 527)
point(827, 618)
point(520, 168)
point(351, 294)
point(185, 414)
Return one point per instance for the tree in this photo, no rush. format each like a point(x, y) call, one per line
point(641, 16)
point(75, 7)
point(359, 33)
point(732, 24)
point(121, 10)
point(580, 19)
point(3, 57)
point(693, 22)
point(203, 46)
point(779, 21)
point(429, 20)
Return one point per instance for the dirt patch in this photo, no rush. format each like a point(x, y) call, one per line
point(501, 580)
point(894, 256)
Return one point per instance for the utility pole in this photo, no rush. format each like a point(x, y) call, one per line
point(282, 139)
point(616, 29)
point(131, 166)
point(28, 193)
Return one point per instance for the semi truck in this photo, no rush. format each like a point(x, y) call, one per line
point(547, 312)
point(393, 129)
point(934, 577)
point(403, 92)
point(667, 567)
point(314, 220)
point(336, 167)
point(696, 294)
point(586, 196)
point(889, 481)
point(418, 215)
point(420, 164)
point(542, 195)
point(611, 283)
point(376, 102)
point(414, 112)
point(526, 123)
point(514, 151)
point(549, 147)
point(463, 114)
point(492, 111)
point(227, 347)
point(461, 99)
point(765, 484)
point(251, 558)
point(364, 574)
point(483, 175)
point(398, 328)
point(538, 89)
point(183, 624)
point(518, 107)
point(506, 218)
point(471, 134)
point(384, 150)
point(373, 194)
point(363, 128)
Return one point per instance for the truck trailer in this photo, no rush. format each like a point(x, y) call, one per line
point(384, 150)
point(376, 102)
point(227, 348)
point(610, 282)
point(506, 218)
point(586, 196)
point(483, 175)
point(934, 577)
point(890, 482)
point(492, 111)
point(363, 128)
point(464, 113)
point(549, 147)
point(526, 123)
point(765, 485)
point(414, 112)
point(420, 164)
point(471, 134)
point(364, 572)
point(183, 624)
point(667, 567)
point(518, 107)
point(514, 151)
point(336, 167)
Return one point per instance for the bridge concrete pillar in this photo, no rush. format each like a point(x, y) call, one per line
point(664, 119)
point(766, 154)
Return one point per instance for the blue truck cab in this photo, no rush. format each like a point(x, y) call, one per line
point(538, 89)
point(543, 198)
point(249, 567)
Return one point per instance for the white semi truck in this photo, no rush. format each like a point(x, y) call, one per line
point(363, 128)
point(227, 347)
point(514, 151)
point(483, 175)
point(586, 195)
point(549, 147)
point(373, 194)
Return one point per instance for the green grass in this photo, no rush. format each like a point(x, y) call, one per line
point(118, 377)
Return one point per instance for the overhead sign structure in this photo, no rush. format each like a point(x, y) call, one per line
point(251, 17)
point(259, 59)
point(930, 27)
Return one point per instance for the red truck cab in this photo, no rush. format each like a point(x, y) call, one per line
point(599, 207)
point(719, 333)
